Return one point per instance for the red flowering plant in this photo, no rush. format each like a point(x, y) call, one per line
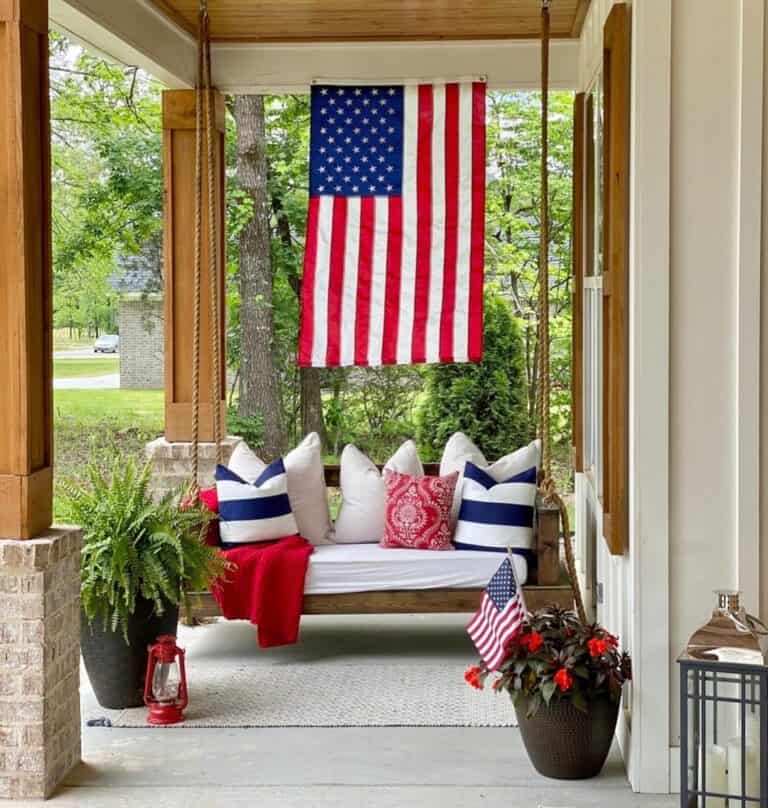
point(555, 656)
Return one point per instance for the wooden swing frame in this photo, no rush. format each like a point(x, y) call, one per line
point(549, 583)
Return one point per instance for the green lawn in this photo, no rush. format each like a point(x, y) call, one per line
point(78, 368)
point(128, 408)
point(62, 341)
point(90, 425)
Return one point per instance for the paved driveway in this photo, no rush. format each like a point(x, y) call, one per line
point(110, 382)
point(81, 353)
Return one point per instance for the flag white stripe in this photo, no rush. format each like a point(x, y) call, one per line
point(378, 279)
point(461, 314)
point(410, 219)
point(322, 273)
point(349, 291)
point(438, 225)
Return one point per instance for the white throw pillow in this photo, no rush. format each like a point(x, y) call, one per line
point(461, 449)
point(363, 495)
point(306, 484)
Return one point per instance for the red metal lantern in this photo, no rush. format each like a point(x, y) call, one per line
point(165, 688)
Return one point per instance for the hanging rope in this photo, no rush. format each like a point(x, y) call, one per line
point(543, 410)
point(213, 275)
point(204, 129)
point(194, 488)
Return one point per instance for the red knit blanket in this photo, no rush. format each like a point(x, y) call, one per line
point(267, 588)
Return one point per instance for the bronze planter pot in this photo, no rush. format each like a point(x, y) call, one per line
point(564, 743)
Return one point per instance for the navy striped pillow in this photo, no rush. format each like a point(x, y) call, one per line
point(254, 512)
point(496, 515)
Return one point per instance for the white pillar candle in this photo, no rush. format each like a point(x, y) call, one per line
point(752, 768)
point(716, 777)
point(753, 729)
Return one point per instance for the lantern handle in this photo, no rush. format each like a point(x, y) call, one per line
point(183, 685)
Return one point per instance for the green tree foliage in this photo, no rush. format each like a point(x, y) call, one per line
point(107, 178)
point(486, 400)
point(513, 224)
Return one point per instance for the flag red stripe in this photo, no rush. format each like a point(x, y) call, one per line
point(477, 246)
point(307, 329)
point(336, 279)
point(392, 294)
point(364, 271)
point(502, 632)
point(482, 632)
point(478, 620)
point(451, 220)
point(503, 642)
point(424, 223)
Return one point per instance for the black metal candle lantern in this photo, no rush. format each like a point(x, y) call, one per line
point(724, 713)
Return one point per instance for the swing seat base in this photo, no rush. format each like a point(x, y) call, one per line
point(401, 601)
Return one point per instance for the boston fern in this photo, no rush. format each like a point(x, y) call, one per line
point(135, 546)
point(556, 657)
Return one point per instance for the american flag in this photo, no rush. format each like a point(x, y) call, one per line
point(393, 259)
point(500, 616)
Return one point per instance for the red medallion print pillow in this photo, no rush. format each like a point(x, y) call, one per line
point(418, 511)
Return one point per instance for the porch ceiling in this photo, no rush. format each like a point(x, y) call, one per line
point(385, 20)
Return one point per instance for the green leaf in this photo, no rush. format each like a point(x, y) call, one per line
point(547, 691)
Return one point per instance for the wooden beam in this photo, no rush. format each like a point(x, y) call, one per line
point(179, 247)
point(375, 21)
point(577, 318)
point(616, 84)
point(578, 18)
point(402, 601)
point(26, 368)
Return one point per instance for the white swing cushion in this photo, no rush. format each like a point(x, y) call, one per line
point(460, 449)
point(496, 515)
point(306, 484)
point(363, 496)
point(257, 511)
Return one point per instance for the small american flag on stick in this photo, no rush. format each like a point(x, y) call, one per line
point(500, 616)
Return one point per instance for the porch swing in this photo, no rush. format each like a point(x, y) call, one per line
point(548, 583)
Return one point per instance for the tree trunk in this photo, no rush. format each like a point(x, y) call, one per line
point(310, 391)
point(311, 403)
point(260, 385)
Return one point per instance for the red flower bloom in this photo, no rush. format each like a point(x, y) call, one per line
point(563, 680)
point(472, 677)
point(532, 641)
point(597, 647)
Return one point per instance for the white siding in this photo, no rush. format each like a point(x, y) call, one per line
point(708, 329)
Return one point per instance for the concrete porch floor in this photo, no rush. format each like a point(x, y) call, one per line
point(383, 767)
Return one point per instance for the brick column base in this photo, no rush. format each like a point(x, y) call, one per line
point(173, 462)
point(39, 662)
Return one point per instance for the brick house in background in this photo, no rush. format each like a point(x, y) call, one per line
point(139, 284)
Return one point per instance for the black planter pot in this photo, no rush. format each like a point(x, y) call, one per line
point(566, 744)
point(117, 670)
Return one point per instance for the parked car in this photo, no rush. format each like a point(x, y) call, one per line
point(106, 343)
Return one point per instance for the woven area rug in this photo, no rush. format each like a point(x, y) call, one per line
point(359, 672)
